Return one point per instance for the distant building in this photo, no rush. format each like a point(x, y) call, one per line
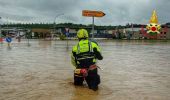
point(41, 33)
point(14, 31)
point(139, 32)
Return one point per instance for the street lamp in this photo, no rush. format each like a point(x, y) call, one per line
point(55, 20)
point(57, 16)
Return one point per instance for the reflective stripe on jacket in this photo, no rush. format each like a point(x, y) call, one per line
point(83, 50)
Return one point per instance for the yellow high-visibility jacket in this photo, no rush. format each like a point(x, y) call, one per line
point(84, 47)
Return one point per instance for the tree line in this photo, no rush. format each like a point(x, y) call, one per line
point(53, 25)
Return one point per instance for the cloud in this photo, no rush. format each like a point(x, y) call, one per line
point(117, 12)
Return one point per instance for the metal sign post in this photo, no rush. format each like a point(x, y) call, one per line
point(93, 27)
point(67, 34)
point(89, 13)
point(28, 42)
point(67, 40)
point(28, 36)
point(67, 43)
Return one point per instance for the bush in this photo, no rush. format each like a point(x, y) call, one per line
point(62, 37)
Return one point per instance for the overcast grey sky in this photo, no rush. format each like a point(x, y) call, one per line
point(118, 12)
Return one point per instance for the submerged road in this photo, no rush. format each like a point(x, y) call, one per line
point(132, 70)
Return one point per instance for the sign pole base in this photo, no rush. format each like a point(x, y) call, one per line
point(9, 44)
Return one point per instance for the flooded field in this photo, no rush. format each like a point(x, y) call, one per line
point(132, 70)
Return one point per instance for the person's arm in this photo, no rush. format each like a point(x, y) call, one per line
point(97, 54)
point(96, 50)
point(73, 57)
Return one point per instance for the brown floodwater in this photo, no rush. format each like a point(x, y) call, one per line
point(131, 70)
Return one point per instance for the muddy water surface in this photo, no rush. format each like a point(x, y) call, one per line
point(132, 70)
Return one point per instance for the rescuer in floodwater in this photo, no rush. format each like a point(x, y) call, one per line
point(84, 56)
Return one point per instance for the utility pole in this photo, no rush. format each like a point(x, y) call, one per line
point(1, 40)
